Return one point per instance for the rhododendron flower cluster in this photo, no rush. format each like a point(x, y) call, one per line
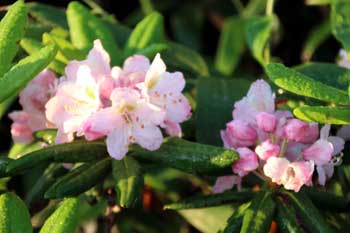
point(128, 104)
point(275, 146)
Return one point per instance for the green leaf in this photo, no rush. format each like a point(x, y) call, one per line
point(215, 100)
point(80, 179)
point(64, 219)
point(300, 84)
point(325, 115)
point(48, 15)
point(4, 161)
point(129, 180)
point(11, 31)
point(201, 201)
point(47, 179)
point(234, 223)
point(231, 45)
point(14, 217)
point(84, 28)
point(258, 217)
point(20, 74)
point(326, 73)
point(257, 33)
point(340, 22)
point(185, 59)
point(189, 156)
point(74, 152)
point(6, 104)
point(287, 218)
point(149, 31)
point(47, 135)
point(308, 213)
point(152, 50)
point(208, 220)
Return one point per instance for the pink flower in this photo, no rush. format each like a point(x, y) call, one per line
point(238, 133)
point(300, 131)
point(224, 183)
point(294, 150)
point(324, 172)
point(259, 99)
point(267, 149)
point(130, 119)
point(164, 90)
point(74, 102)
point(248, 161)
point(20, 129)
point(266, 122)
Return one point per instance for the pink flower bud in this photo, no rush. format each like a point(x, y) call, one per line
point(267, 149)
point(224, 183)
point(300, 131)
point(266, 122)
point(240, 134)
point(20, 128)
point(248, 161)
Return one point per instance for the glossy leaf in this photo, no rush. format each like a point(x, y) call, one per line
point(152, 50)
point(47, 135)
point(258, 217)
point(20, 74)
point(79, 179)
point(84, 28)
point(14, 217)
point(231, 46)
point(48, 15)
point(64, 219)
point(201, 201)
point(287, 218)
point(129, 180)
point(300, 84)
point(64, 153)
point(323, 114)
point(11, 31)
point(234, 223)
point(215, 100)
point(340, 22)
point(4, 161)
point(189, 156)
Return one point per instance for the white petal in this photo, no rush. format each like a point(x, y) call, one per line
point(118, 142)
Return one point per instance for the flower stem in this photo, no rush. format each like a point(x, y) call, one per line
point(269, 7)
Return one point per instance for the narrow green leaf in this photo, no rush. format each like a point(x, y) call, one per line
point(129, 180)
point(215, 100)
point(80, 179)
point(74, 152)
point(152, 50)
point(11, 31)
point(47, 135)
point(189, 156)
point(258, 217)
point(287, 218)
point(234, 223)
point(340, 22)
point(201, 201)
point(6, 104)
point(147, 6)
point(231, 45)
point(257, 33)
point(20, 74)
point(14, 217)
point(150, 30)
point(84, 28)
point(300, 84)
point(48, 15)
point(325, 115)
point(4, 161)
point(64, 219)
point(309, 215)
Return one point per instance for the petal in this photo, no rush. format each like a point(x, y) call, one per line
point(321, 175)
point(118, 142)
point(260, 97)
point(320, 152)
point(173, 129)
point(325, 131)
point(170, 83)
point(178, 109)
point(62, 137)
point(154, 72)
point(338, 144)
point(104, 121)
point(275, 167)
point(224, 183)
point(136, 63)
point(98, 59)
point(147, 136)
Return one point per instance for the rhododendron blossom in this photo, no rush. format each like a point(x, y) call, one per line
point(287, 150)
point(128, 104)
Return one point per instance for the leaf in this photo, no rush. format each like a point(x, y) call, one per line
point(46, 135)
point(64, 219)
point(258, 217)
point(324, 115)
point(6, 104)
point(340, 22)
point(234, 223)
point(4, 161)
point(310, 216)
point(300, 84)
point(74, 152)
point(215, 100)
point(80, 179)
point(152, 50)
point(149, 31)
point(84, 28)
point(11, 31)
point(231, 46)
point(129, 180)
point(185, 59)
point(20, 74)
point(257, 32)
point(189, 156)
point(208, 220)
point(14, 216)
point(287, 218)
point(48, 15)
point(201, 201)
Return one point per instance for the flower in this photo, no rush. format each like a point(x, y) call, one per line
point(266, 122)
point(224, 183)
point(20, 129)
point(300, 131)
point(238, 133)
point(267, 149)
point(248, 161)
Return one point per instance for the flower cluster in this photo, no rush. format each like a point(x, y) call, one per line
point(128, 104)
point(275, 146)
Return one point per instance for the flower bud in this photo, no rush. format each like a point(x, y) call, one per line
point(266, 122)
point(248, 161)
point(300, 131)
point(267, 149)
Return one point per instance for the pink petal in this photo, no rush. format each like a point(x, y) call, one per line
point(248, 161)
point(118, 142)
point(266, 122)
point(275, 168)
point(320, 152)
point(267, 149)
point(136, 63)
point(338, 144)
point(154, 72)
point(173, 129)
point(224, 183)
point(147, 136)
